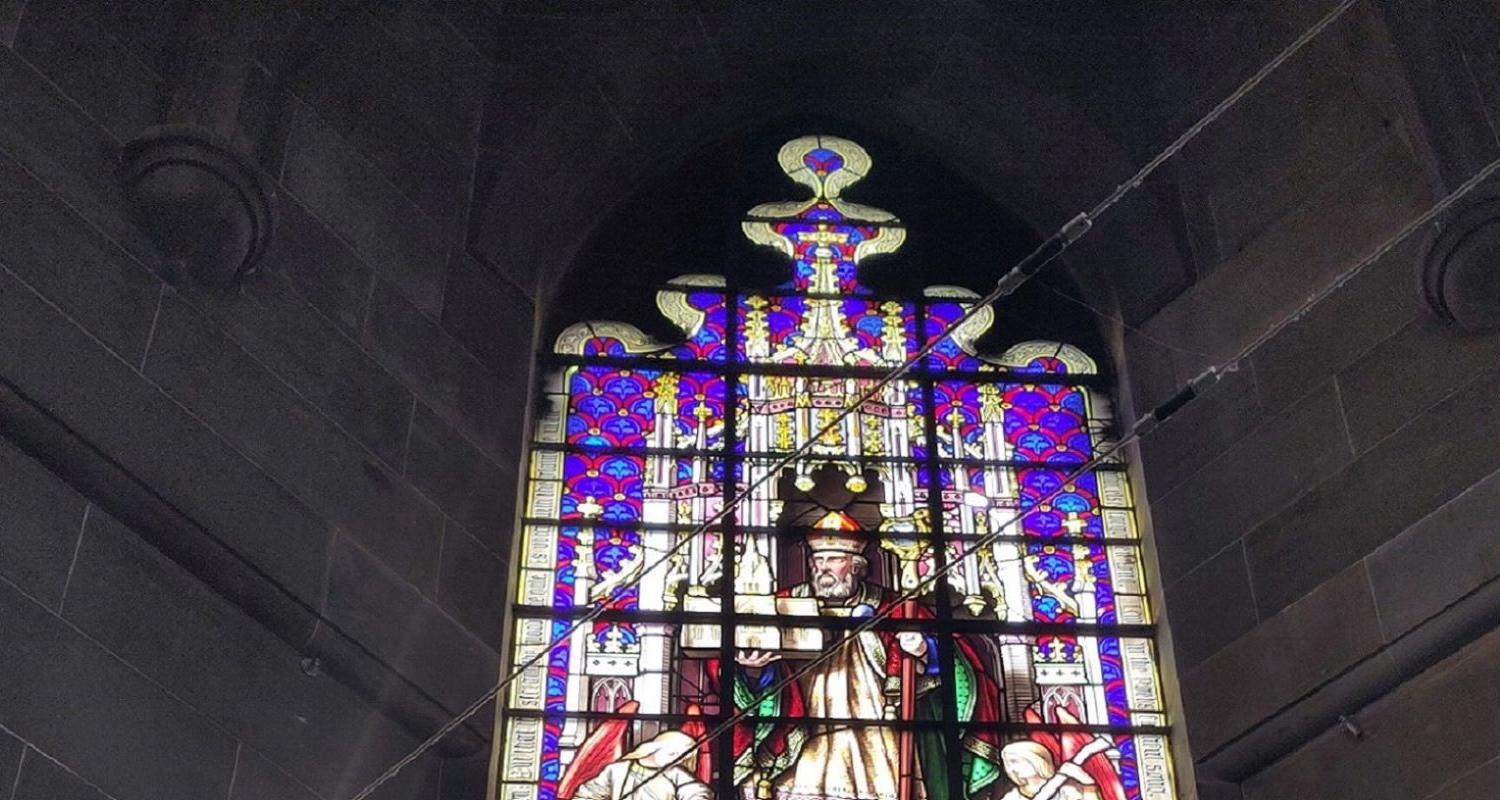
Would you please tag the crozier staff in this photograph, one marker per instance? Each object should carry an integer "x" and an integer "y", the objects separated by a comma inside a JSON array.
[{"x": 860, "y": 680}]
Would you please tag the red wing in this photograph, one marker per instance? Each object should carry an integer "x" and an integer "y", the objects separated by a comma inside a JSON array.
[
  {"x": 1098, "y": 766},
  {"x": 1106, "y": 777},
  {"x": 602, "y": 747},
  {"x": 1046, "y": 739}
]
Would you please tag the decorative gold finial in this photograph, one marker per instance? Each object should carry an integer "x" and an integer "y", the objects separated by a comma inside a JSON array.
[
  {"x": 826, "y": 164},
  {"x": 825, "y": 236}
]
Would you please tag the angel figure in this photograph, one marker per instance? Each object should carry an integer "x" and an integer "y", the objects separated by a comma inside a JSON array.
[
  {"x": 664, "y": 767},
  {"x": 1035, "y": 776},
  {"x": 649, "y": 772},
  {"x": 1065, "y": 766}
]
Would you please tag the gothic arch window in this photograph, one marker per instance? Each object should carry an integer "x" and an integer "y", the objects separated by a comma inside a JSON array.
[
  {"x": 1027, "y": 671},
  {"x": 610, "y": 693}
]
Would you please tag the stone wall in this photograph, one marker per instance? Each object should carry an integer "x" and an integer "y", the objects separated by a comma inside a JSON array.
[
  {"x": 252, "y": 543},
  {"x": 1325, "y": 520}
]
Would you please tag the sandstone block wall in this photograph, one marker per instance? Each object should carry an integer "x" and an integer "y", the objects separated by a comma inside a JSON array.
[
  {"x": 320, "y": 464},
  {"x": 1325, "y": 520}
]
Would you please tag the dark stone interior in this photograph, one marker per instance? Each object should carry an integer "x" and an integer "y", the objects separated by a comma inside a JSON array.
[{"x": 254, "y": 540}]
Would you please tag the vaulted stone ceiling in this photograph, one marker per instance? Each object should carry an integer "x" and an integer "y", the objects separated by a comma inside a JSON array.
[
  {"x": 340, "y": 434},
  {"x": 1044, "y": 115}
]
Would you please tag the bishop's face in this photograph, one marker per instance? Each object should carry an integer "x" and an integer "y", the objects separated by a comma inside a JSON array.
[{"x": 835, "y": 575}]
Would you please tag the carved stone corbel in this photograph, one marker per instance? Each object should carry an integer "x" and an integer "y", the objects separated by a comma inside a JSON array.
[
  {"x": 209, "y": 208},
  {"x": 1461, "y": 275},
  {"x": 190, "y": 183}
]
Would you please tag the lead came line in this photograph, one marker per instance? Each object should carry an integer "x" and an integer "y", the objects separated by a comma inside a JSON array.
[{"x": 1012, "y": 280}]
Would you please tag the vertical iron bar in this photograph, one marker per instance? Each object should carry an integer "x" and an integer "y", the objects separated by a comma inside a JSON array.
[
  {"x": 944, "y": 602},
  {"x": 724, "y": 748}
]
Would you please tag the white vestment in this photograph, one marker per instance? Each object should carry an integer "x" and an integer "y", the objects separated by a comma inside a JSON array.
[
  {"x": 840, "y": 762},
  {"x": 629, "y": 779},
  {"x": 1065, "y": 792}
]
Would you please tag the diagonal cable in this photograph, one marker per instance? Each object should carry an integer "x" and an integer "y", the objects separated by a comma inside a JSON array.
[
  {"x": 1141, "y": 429},
  {"x": 1012, "y": 280}
]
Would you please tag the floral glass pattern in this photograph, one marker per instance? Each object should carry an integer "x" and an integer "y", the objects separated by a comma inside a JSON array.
[{"x": 1028, "y": 671}]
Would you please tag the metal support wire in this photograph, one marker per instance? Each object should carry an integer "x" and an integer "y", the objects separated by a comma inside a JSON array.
[
  {"x": 1012, "y": 280},
  {"x": 870, "y": 622},
  {"x": 1143, "y": 427},
  {"x": 1223, "y": 105}
]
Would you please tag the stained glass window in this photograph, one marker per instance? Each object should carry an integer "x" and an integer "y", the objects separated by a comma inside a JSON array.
[{"x": 1027, "y": 671}]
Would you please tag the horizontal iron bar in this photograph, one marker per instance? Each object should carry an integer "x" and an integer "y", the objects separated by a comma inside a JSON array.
[
  {"x": 792, "y": 531},
  {"x": 849, "y": 222},
  {"x": 919, "y": 725},
  {"x": 772, "y": 455},
  {"x": 975, "y": 627},
  {"x": 919, "y": 372}
]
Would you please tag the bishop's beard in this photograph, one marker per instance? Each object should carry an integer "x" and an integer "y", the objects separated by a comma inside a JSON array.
[{"x": 828, "y": 586}]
